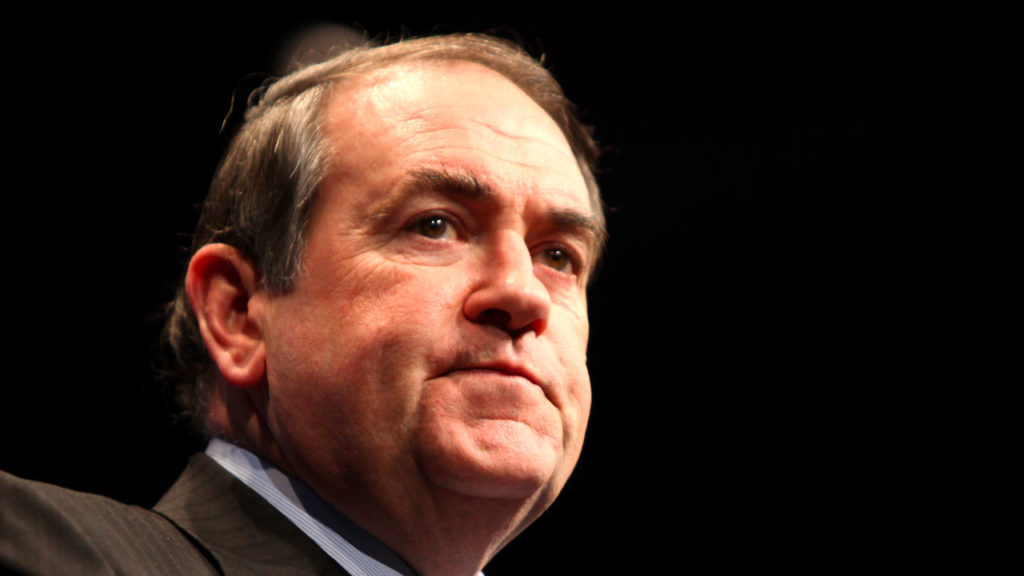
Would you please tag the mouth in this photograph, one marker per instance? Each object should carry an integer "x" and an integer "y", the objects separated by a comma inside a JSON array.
[
  {"x": 501, "y": 392},
  {"x": 500, "y": 368}
]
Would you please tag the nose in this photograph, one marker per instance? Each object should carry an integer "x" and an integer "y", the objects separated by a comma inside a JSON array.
[{"x": 508, "y": 294}]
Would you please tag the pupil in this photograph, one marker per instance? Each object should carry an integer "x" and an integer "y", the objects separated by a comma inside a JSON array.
[{"x": 434, "y": 225}]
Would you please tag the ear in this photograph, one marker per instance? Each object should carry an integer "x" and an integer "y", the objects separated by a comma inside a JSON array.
[{"x": 221, "y": 285}]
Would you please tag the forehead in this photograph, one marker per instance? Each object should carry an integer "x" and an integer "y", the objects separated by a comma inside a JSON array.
[{"x": 455, "y": 116}]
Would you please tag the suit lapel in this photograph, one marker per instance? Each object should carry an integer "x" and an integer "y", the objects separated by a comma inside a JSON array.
[{"x": 238, "y": 529}]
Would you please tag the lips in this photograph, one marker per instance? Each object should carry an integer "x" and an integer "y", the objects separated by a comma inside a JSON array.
[{"x": 498, "y": 367}]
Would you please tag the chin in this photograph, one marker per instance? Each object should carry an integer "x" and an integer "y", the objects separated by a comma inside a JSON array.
[
  {"x": 494, "y": 485},
  {"x": 506, "y": 461}
]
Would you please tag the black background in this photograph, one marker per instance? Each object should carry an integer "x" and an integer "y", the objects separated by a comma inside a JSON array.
[{"x": 728, "y": 345}]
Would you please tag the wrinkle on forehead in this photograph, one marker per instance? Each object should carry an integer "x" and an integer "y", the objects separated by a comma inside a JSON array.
[
  {"x": 515, "y": 128},
  {"x": 457, "y": 114}
]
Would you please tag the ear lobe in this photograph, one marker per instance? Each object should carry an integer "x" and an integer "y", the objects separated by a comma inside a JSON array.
[{"x": 221, "y": 285}]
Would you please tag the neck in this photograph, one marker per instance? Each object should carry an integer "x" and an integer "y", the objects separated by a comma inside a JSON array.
[
  {"x": 437, "y": 531},
  {"x": 452, "y": 535}
]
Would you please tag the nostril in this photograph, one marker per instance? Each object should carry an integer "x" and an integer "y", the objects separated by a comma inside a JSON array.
[
  {"x": 509, "y": 296},
  {"x": 505, "y": 321},
  {"x": 496, "y": 317}
]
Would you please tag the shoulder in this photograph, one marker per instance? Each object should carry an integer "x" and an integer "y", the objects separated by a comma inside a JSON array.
[{"x": 46, "y": 529}]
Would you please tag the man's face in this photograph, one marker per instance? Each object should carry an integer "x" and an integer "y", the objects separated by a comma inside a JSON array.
[{"x": 436, "y": 335}]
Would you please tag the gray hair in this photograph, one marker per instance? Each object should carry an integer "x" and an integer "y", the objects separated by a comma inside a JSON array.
[{"x": 261, "y": 197}]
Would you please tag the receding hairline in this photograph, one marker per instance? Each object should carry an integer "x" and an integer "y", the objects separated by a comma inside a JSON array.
[
  {"x": 528, "y": 77},
  {"x": 466, "y": 181},
  {"x": 504, "y": 57}
]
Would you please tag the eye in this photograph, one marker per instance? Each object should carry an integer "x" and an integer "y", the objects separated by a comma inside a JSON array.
[
  {"x": 435, "y": 227},
  {"x": 558, "y": 259}
]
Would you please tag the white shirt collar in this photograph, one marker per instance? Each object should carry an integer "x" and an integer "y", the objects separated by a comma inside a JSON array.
[{"x": 357, "y": 552}]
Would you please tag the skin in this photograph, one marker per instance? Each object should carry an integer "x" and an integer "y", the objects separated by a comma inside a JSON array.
[{"x": 427, "y": 375}]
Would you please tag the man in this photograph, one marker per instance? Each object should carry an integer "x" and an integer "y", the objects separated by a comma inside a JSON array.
[{"x": 382, "y": 329}]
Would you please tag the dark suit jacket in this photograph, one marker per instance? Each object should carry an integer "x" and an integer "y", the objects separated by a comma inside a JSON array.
[{"x": 208, "y": 523}]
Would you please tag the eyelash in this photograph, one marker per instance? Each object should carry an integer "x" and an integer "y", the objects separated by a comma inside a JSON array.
[
  {"x": 427, "y": 223},
  {"x": 572, "y": 261}
]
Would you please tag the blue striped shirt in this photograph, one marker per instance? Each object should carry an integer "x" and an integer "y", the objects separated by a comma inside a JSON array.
[{"x": 351, "y": 547}]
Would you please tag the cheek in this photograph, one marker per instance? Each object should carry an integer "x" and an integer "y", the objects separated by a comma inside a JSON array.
[
  {"x": 577, "y": 416},
  {"x": 382, "y": 292},
  {"x": 576, "y": 396},
  {"x": 360, "y": 339}
]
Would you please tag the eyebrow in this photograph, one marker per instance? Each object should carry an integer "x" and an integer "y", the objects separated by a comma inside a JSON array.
[
  {"x": 427, "y": 182},
  {"x": 467, "y": 186},
  {"x": 460, "y": 184}
]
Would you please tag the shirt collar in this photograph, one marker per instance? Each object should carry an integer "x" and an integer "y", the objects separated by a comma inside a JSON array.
[{"x": 349, "y": 545}]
